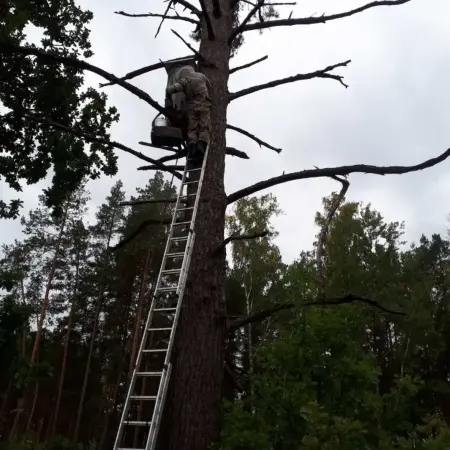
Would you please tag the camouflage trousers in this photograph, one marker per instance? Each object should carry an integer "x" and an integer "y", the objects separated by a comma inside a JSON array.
[{"x": 199, "y": 119}]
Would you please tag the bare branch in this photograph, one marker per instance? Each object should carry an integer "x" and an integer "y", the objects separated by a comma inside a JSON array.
[
  {"x": 235, "y": 69},
  {"x": 333, "y": 171},
  {"x": 305, "y": 76},
  {"x": 264, "y": 314},
  {"x": 90, "y": 138},
  {"x": 139, "y": 230},
  {"x": 73, "y": 62},
  {"x": 240, "y": 28},
  {"x": 209, "y": 27},
  {"x": 325, "y": 228},
  {"x": 240, "y": 237},
  {"x": 146, "y": 202},
  {"x": 252, "y": 136},
  {"x": 185, "y": 19},
  {"x": 350, "y": 298},
  {"x": 229, "y": 151},
  {"x": 169, "y": 149},
  {"x": 235, "y": 152},
  {"x": 314, "y": 20},
  {"x": 189, "y": 6},
  {"x": 173, "y": 167},
  {"x": 163, "y": 18},
  {"x": 141, "y": 71},
  {"x": 196, "y": 53}
]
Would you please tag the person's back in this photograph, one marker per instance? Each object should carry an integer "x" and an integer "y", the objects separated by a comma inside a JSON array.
[{"x": 194, "y": 84}]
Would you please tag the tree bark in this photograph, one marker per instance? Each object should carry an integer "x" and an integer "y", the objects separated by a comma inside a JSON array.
[{"x": 192, "y": 412}]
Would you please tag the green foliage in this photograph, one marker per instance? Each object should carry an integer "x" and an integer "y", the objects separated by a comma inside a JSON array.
[{"x": 31, "y": 149}]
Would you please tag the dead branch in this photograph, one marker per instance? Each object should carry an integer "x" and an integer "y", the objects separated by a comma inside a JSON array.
[
  {"x": 240, "y": 237},
  {"x": 153, "y": 167},
  {"x": 209, "y": 27},
  {"x": 98, "y": 140},
  {"x": 245, "y": 66},
  {"x": 325, "y": 228},
  {"x": 163, "y": 17},
  {"x": 168, "y": 149},
  {"x": 228, "y": 151},
  {"x": 252, "y": 136},
  {"x": 189, "y": 6},
  {"x": 186, "y": 19},
  {"x": 299, "y": 77},
  {"x": 264, "y": 314},
  {"x": 139, "y": 230},
  {"x": 83, "y": 65},
  {"x": 141, "y": 71},
  {"x": 235, "y": 152},
  {"x": 313, "y": 20},
  {"x": 146, "y": 202},
  {"x": 189, "y": 46},
  {"x": 333, "y": 171},
  {"x": 239, "y": 29}
]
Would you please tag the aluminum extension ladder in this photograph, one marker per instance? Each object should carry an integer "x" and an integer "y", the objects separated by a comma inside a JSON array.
[{"x": 144, "y": 404}]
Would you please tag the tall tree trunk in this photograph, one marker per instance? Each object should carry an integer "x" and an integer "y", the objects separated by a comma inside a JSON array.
[
  {"x": 200, "y": 338},
  {"x": 66, "y": 346},
  {"x": 137, "y": 326},
  {"x": 40, "y": 323},
  {"x": 94, "y": 333}
]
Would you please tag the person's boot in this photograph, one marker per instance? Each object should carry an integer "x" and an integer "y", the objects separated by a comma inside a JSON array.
[
  {"x": 201, "y": 147},
  {"x": 192, "y": 149}
]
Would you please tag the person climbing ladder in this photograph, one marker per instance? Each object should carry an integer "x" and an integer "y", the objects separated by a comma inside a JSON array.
[{"x": 195, "y": 103}]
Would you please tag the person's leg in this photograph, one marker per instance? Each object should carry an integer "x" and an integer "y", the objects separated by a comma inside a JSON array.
[
  {"x": 204, "y": 125},
  {"x": 192, "y": 132}
]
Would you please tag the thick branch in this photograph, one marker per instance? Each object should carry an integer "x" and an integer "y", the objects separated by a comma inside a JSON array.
[
  {"x": 90, "y": 138},
  {"x": 350, "y": 298},
  {"x": 228, "y": 151},
  {"x": 333, "y": 171},
  {"x": 141, "y": 71},
  {"x": 314, "y": 20},
  {"x": 186, "y": 19},
  {"x": 240, "y": 237},
  {"x": 239, "y": 29},
  {"x": 325, "y": 228},
  {"x": 252, "y": 136},
  {"x": 250, "y": 64},
  {"x": 189, "y": 6},
  {"x": 209, "y": 27},
  {"x": 146, "y": 202},
  {"x": 301, "y": 76},
  {"x": 73, "y": 62},
  {"x": 170, "y": 166}
]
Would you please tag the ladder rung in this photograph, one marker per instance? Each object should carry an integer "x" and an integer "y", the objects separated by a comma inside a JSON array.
[
  {"x": 160, "y": 329},
  {"x": 171, "y": 271},
  {"x": 137, "y": 423},
  {"x": 142, "y": 397},
  {"x": 149, "y": 374},
  {"x": 191, "y": 182},
  {"x": 175, "y": 255},
  {"x": 193, "y": 170},
  {"x": 185, "y": 209},
  {"x": 188, "y": 195},
  {"x": 182, "y": 223},
  {"x": 129, "y": 448},
  {"x": 164, "y": 309},
  {"x": 180, "y": 238},
  {"x": 167, "y": 289},
  {"x": 154, "y": 350}
]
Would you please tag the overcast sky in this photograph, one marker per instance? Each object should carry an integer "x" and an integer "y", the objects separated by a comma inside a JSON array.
[{"x": 395, "y": 111}]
